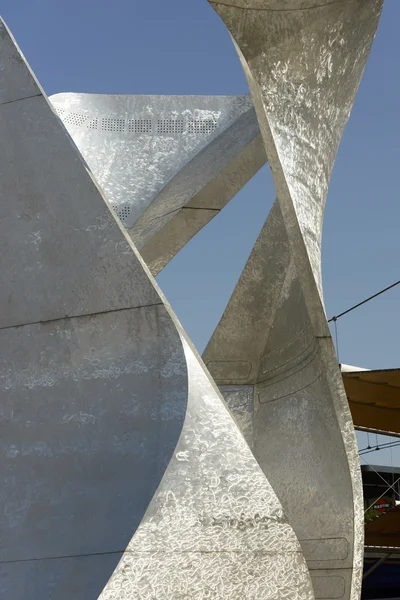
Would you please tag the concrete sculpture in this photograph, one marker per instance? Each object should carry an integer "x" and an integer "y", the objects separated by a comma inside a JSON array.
[
  {"x": 119, "y": 456},
  {"x": 167, "y": 164},
  {"x": 272, "y": 350}
]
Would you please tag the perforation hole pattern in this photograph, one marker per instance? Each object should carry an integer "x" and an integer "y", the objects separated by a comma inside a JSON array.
[
  {"x": 123, "y": 212},
  {"x": 202, "y": 125},
  {"x": 139, "y": 126},
  {"x": 75, "y": 119},
  {"x": 171, "y": 126},
  {"x": 113, "y": 124}
]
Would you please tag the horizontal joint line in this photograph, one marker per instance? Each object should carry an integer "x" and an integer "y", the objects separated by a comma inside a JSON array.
[
  {"x": 70, "y": 317},
  {"x": 20, "y": 99}
]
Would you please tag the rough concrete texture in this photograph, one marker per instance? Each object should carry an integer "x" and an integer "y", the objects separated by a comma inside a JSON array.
[
  {"x": 303, "y": 60},
  {"x": 115, "y": 441},
  {"x": 167, "y": 164}
]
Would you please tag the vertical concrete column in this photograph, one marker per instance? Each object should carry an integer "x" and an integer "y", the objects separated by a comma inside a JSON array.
[{"x": 272, "y": 350}]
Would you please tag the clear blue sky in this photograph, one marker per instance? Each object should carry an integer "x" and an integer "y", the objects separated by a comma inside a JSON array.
[{"x": 181, "y": 47}]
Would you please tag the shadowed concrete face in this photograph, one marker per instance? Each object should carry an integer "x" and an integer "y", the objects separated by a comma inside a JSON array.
[
  {"x": 115, "y": 442},
  {"x": 272, "y": 353},
  {"x": 92, "y": 404},
  {"x": 167, "y": 164}
]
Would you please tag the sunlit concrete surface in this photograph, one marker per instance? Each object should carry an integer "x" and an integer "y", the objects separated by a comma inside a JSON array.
[
  {"x": 167, "y": 164},
  {"x": 123, "y": 473},
  {"x": 272, "y": 352}
]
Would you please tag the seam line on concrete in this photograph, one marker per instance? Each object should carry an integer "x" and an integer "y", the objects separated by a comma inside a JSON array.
[
  {"x": 152, "y": 219},
  {"x": 275, "y": 9},
  {"x": 112, "y": 552},
  {"x": 201, "y": 208},
  {"x": 101, "y": 312},
  {"x": 176, "y": 210},
  {"x": 19, "y": 99}
]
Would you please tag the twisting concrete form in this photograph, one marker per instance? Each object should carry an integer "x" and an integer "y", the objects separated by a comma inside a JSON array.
[
  {"x": 115, "y": 442},
  {"x": 272, "y": 349},
  {"x": 167, "y": 164}
]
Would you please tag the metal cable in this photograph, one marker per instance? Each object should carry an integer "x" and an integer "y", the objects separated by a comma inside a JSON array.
[
  {"x": 384, "y": 493},
  {"x": 382, "y": 446},
  {"x": 337, "y": 341},
  {"x": 335, "y": 318},
  {"x": 362, "y": 453}
]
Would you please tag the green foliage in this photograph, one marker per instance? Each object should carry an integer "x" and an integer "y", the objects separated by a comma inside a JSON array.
[{"x": 371, "y": 515}]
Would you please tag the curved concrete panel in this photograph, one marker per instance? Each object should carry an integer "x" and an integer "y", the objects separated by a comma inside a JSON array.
[
  {"x": 167, "y": 164},
  {"x": 100, "y": 391},
  {"x": 272, "y": 348},
  {"x": 215, "y": 528}
]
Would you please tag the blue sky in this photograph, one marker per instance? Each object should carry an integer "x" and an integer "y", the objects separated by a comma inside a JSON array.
[{"x": 181, "y": 47}]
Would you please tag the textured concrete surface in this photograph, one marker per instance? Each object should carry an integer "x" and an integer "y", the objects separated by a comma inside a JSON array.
[
  {"x": 215, "y": 528},
  {"x": 92, "y": 405},
  {"x": 303, "y": 61},
  {"x": 115, "y": 442},
  {"x": 57, "y": 244},
  {"x": 167, "y": 164}
]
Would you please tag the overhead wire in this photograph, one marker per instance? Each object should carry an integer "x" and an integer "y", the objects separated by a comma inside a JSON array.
[
  {"x": 384, "y": 493},
  {"x": 382, "y": 446},
  {"x": 337, "y": 342},
  {"x": 394, "y": 445},
  {"x": 389, "y": 486},
  {"x": 336, "y": 317}
]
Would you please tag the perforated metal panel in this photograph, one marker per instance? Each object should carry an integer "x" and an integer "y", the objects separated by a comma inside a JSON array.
[
  {"x": 170, "y": 126},
  {"x": 202, "y": 126},
  {"x": 140, "y": 126},
  {"x": 135, "y": 145},
  {"x": 108, "y": 124},
  {"x": 75, "y": 119},
  {"x": 123, "y": 211}
]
